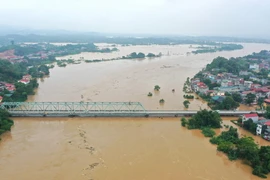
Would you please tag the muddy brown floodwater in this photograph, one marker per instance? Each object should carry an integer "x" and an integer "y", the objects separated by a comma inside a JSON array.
[
  {"x": 126, "y": 148},
  {"x": 112, "y": 149}
]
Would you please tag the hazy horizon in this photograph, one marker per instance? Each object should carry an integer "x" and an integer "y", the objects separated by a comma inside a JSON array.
[{"x": 239, "y": 18}]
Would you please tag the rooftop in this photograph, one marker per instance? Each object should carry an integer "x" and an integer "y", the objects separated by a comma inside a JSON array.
[{"x": 250, "y": 115}]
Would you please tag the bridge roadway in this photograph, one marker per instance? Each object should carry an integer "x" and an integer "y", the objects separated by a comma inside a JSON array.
[
  {"x": 149, "y": 113},
  {"x": 97, "y": 109}
]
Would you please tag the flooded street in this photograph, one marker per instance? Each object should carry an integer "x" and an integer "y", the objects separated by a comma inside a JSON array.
[
  {"x": 120, "y": 148},
  {"x": 112, "y": 149}
]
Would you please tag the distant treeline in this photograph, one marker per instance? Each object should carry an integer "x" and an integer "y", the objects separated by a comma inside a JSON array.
[
  {"x": 68, "y": 49},
  {"x": 96, "y": 38}
]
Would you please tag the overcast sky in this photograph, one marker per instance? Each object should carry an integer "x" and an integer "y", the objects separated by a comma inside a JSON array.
[{"x": 181, "y": 17}]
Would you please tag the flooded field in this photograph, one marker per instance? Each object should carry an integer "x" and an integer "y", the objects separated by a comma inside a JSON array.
[
  {"x": 112, "y": 149},
  {"x": 126, "y": 148}
]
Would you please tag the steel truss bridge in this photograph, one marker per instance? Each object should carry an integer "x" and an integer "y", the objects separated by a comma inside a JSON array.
[{"x": 96, "y": 109}]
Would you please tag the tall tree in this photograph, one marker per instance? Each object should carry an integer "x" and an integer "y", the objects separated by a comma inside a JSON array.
[{"x": 250, "y": 98}]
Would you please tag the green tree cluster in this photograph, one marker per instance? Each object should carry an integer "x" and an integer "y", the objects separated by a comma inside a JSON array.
[
  {"x": 5, "y": 122},
  {"x": 231, "y": 66},
  {"x": 11, "y": 72},
  {"x": 250, "y": 126},
  {"x": 157, "y": 88},
  {"x": 227, "y": 104},
  {"x": 134, "y": 55},
  {"x": 203, "y": 119},
  {"x": 244, "y": 148},
  {"x": 208, "y": 132},
  {"x": 186, "y": 103},
  {"x": 220, "y": 47},
  {"x": 250, "y": 98},
  {"x": 22, "y": 90},
  {"x": 188, "y": 96}
]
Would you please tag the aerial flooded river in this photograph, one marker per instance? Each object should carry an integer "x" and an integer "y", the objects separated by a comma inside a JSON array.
[{"x": 120, "y": 148}]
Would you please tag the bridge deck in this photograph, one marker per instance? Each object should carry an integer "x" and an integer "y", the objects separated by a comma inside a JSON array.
[{"x": 97, "y": 109}]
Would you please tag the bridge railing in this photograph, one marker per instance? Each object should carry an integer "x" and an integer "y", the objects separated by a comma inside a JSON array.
[
  {"x": 98, "y": 108},
  {"x": 72, "y": 107}
]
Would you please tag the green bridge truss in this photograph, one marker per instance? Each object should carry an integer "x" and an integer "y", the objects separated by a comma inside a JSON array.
[{"x": 71, "y": 107}]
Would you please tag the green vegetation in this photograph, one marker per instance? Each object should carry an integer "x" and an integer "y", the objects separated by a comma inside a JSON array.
[
  {"x": 188, "y": 96},
  {"x": 161, "y": 101},
  {"x": 246, "y": 149},
  {"x": 226, "y": 142},
  {"x": 267, "y": 112},
  {"x": 186, "y": 103},
  {"x": 95, "y": 60},
  {"x": 151, "y": 55},
  {"x": 134, "y": 55},
  {"x": 203, "y": 119},
  {"x": 233, "y": 65},
  {"x": 184, "y": 122},
  {"x": 150, "y": 94},
  {"x": 11, "y": 72},
  {"x": 250, "y": 126},
  {"x": 218, "y": 47},
  {"x": 68, "y": 49},
  {"x": 210, "y": 84},
  {"x": 224, "y": 103},
  {"x": 39, "y": 71},
  {"x": 5, "y": 122},
  {"x": 208, "y": 132},
  {"x": 157, "y": 88},
  {"x": 227, "y": 104},
  {"x": 140, "y": 55},
  {"x": 61, "y": 64},
  {"x": 186, "y": 87},
  {"x": 250, "y": 98},
  {"x": 237, "y": 97},
  {"x": 21, "y": 93}
]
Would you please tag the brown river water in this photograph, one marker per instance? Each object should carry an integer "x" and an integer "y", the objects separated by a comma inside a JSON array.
[{"x": 120, "y": 148}]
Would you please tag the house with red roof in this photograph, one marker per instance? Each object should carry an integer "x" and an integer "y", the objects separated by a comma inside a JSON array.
[
  {"x": 200, "y": 87},
  {"x": 10, "y": 87},
  {"x": 267, "y": 101},
  {"x": 254, "y": 117},
  {"x": 25, "y": 79}
]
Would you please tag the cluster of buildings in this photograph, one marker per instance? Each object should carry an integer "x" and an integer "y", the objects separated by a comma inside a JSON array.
[
  {"x": 41, "y": 55},
  {"x": 232, "y": 83},
  {"x": 11, "y": 57},
  {"x": 8, "y": 86},
  {"x": 11, "y": 87},
  {"x": 263, "y": 125}
]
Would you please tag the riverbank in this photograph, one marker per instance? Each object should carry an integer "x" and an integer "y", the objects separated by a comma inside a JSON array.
[{"x": 229, "y": 141}]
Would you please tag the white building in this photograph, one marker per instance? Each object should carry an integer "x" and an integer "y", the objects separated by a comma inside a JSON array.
[
  {"x": 248, "y": 84},
  {"x": 254, "y": 67},
  {"x": 262, "y": 126}
]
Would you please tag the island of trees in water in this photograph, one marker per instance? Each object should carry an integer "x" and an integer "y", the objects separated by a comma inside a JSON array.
[
  {"x": 217, "y": 47},
  {"x": 230, "y": 143}
]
